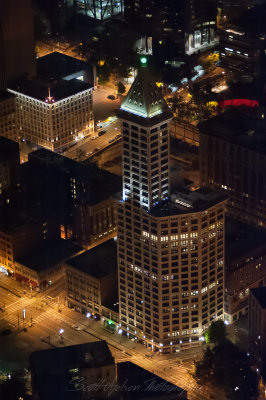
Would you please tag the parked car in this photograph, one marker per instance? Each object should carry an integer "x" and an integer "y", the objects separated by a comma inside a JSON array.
[
  {"x": 111, "y": 97},
  {"x": 93, "y": 137},
  {"x": 101, "y": 133}
]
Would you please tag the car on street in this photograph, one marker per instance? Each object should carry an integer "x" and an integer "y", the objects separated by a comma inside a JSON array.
[
  {"x": 101, "y": 133},
  {"x": 111, "y": 97},
  {"x": 93, "y": 137},
  {"x": 78, "y": 328}
]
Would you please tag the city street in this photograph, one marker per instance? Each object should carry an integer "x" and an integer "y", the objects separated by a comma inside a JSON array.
[
  {"x": 95, "y": 143},
  {"x": 43, "y": 322}
]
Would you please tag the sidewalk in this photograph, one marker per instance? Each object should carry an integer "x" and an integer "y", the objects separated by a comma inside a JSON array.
[{"x": 125, "y": 344}]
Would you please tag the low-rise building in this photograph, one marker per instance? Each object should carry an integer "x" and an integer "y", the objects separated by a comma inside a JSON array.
[
  {"x": 257, "y": 326},
  {"x": 91, "y": 280},
  {"x": 61, "y": 373},
  {"x": 53, "y": 114},
  {"x": 20, "y": 235},
  {"x": 245, "y": 266},
  {"x": 43, "y": 266},
  {"x": 61, "y": 66}
]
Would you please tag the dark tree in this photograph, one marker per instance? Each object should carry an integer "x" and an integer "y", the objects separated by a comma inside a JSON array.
[
  {"x": 14, "y": 388},
  {"x": 228, "y": 368},
  {"x": 216, "y": 332},
  {"x": 103, "y": 73},
  {"x": 121, "y": 88}
]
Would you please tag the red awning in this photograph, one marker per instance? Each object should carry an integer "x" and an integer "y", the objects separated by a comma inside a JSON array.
[
  {"x": 33, "y": 283},
  {"x": 17, "y": 276}
]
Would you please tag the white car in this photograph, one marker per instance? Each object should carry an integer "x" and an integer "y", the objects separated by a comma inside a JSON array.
[
  {"x": 93, "y": 137},
  {"x": 78, "y": 328}
]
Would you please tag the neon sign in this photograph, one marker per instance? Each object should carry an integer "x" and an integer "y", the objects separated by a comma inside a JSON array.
[{"x": 238, "y": 103}]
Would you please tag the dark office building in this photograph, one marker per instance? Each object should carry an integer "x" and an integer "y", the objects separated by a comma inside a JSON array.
[
  {"x": 177, "y": 28},
  {"x": 16, "y": 41},
  {"x": 243, "y": 45},
  {"x": 233, "y": 160},
  {"x": 9, "y": 164},
  {"x": 84, "y": 197},
  {"x": 257, "y": 327},
  {"x": 54, "y": 372},
  {"x": 99, "y": 9},
  {"x": 245, "y": 265}
]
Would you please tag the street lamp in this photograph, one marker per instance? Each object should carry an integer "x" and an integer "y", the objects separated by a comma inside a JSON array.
[
  {"x": 61, "y": 338},
  {"x": 120, "y": 333}
]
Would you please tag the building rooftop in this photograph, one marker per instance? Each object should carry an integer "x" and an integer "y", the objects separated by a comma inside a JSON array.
[
  {"x": 60, "y": 66},
  {"x": 8, "y": 147},
  {"x": 147, "y": 385},
  {"x": 250, "y": 21},
  {"x": 241, "y": 239},
  {"x": 51, "y": 367},
  {"x": 260, "y": 295},
  {"x": 38, "y": 88},
  {"x": 238, "y": 128},
  {"x": 99, "y": 185},
  {"x": 144, "y": 101},
  {"x": 49, "y": 254},
  {"x": 185, "y": 201},
  {"x": 99, "y": 261}
]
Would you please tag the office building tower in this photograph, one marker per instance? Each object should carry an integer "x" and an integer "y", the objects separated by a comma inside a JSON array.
[
  {"x": 100, "y": 9},
  {"x": 232, "y": 160},
  {"x": 170, "y": 246},
  {"x": 242, "y": 45},
  {"x": 245, "y": 266},
  {"x": 84, "y": 197},
  {"x": 17, "y": 53},
  {"x": 176, "y": 27}
]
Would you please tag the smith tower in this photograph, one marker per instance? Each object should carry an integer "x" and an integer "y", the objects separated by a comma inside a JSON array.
[
  {"x": 161, "y": 235},
  {"x": 145, "y": 117}
]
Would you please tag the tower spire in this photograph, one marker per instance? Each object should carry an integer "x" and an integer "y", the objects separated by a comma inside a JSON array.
[{"x": 145, "y": 131}]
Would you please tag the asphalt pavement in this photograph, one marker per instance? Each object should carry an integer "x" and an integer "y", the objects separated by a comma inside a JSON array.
[{"x": 46, "y": 315}]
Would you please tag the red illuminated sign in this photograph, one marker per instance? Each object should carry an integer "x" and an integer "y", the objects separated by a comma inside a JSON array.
[{"x": 238, "y": 103}]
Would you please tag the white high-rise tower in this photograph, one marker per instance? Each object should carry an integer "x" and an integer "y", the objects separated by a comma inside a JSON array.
[{"x": 170, "y": 247}]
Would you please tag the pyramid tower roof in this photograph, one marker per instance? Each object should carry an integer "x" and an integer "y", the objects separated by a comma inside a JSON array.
[{"x": 144, "y": 98}]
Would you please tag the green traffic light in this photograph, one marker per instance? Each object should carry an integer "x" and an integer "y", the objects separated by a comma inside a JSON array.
[{"x": 143, "y": 60}]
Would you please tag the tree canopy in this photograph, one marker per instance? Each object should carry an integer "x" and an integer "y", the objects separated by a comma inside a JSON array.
[
  {"x": 121, "y": 88},
  {"x": 228, "y": 368},
  {"x": 216, "y": 332}
]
